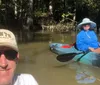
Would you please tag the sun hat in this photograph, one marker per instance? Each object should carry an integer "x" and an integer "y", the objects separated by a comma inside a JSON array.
[
  {"x": 7, "y": 38},
  {"x": 87, "y": 21}
]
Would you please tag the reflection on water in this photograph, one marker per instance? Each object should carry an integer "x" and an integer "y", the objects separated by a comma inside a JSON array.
[
  {"x": 37, "y": 59},
  {"x": 55, "y": 37},
  {"x": 82, "y": 76}
]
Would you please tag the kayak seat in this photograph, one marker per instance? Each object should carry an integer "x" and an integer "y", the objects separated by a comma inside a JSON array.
[{"x": 75, "y": 46}]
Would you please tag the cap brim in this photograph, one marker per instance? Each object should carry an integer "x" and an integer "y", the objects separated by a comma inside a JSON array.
[{"x": 9, "y": 45}]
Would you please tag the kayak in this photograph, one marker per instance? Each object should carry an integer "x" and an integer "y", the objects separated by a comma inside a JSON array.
[
  {"x": 59, "y": 48},
  {"x": 90, "y": 58}
]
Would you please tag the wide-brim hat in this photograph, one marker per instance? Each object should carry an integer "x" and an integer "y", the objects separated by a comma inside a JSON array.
[{"x": 87, "y": 21}]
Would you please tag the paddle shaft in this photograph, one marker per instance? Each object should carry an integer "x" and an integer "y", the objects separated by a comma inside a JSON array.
[{"x": 82, "y": 56}]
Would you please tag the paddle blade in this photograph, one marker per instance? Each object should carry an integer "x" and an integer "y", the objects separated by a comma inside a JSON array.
[{"x": 66, "y": 57}]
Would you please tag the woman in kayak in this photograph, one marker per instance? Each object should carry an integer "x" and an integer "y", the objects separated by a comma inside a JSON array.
[{"x": 86, "y": 39}]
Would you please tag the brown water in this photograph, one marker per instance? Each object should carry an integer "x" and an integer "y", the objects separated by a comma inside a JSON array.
[{"x": 38, "y": 60}]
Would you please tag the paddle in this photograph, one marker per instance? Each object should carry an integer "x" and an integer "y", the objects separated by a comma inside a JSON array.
[{"x": 69, "y": 56}]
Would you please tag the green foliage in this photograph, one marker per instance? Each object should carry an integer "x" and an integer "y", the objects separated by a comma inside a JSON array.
[
  {"x": 39, "y": 14},
  {"x": 64, "y": 15},
  {"x": 92, "y": 6}
]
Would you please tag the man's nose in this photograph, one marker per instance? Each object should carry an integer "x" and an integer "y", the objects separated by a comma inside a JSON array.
[{"x": 3, "y": 61}]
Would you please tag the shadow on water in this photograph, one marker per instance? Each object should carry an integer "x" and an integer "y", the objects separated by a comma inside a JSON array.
[{"x": 38, "y": 60}]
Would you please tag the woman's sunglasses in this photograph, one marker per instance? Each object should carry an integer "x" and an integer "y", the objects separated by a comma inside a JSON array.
[{"x": 9, "y": 54}]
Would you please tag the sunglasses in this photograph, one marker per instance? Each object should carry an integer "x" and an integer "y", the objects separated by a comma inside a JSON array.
[{"x": 9, "y": 54}]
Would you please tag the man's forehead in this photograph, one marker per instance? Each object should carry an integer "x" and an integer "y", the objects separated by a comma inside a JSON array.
[{"x": 4, "y": 47}]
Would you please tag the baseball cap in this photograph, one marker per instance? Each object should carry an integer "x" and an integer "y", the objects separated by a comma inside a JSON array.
[{"x": 7, "y": 38}]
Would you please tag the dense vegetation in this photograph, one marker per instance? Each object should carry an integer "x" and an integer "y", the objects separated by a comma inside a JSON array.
[
  {"x": 28, "y": 16},
  {"x": 15, "y": 12}
]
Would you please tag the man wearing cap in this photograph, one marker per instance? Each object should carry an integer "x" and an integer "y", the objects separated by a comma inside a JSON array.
[
  {"x": 86, "y": 39},
  {"x": 9, "y": 56}
]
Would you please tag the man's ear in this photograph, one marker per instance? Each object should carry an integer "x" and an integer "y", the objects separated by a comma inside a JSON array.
[{"x": 17, "y": 56}]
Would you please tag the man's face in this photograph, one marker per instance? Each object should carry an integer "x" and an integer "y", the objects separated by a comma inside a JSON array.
[{"x": 7, "y": 65}]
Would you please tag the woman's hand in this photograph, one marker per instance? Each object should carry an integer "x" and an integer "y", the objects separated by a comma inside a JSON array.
[
  {"x": 94, "y": 50},
  {"x": 91, "y": 49}
]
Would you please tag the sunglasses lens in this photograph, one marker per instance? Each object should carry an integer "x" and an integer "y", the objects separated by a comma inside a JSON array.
[{"x": 10, "y": 54}]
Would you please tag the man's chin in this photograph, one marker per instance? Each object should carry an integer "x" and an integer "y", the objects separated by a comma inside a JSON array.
[{"x": 5, "y": 80}]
